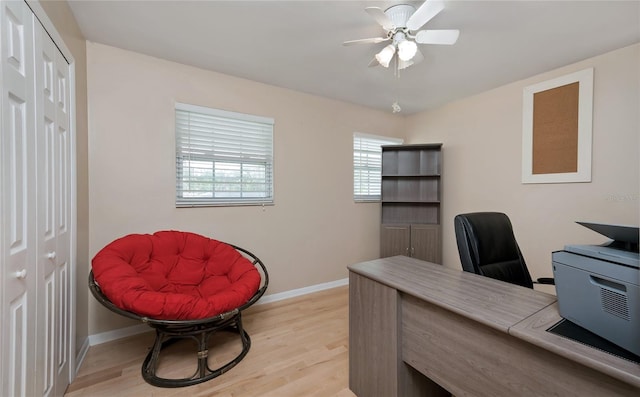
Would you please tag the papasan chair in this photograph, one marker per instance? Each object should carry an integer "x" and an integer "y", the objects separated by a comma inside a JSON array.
[{"x": 185, "y": 286}]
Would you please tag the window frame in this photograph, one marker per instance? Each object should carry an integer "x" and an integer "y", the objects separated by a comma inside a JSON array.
[
  {"x": 244, "y": 152},
  {"x": 370, "y": 166}
]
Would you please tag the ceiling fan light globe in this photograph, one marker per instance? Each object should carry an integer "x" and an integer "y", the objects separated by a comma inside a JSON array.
[
  {"x": 385, "y": 55},
  {"x": 407, "y": 50},
  {"x": 404, "y": 64}
]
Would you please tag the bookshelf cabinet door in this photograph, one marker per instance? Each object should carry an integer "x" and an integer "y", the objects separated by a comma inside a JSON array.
[
  {"x": 425, "y": 243},
  {"x": 395, "y": 240}
]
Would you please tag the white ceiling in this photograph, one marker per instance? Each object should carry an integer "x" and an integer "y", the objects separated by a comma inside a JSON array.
[{"x": 298, "y": 44}]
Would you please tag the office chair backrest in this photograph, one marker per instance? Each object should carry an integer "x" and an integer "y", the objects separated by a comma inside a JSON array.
[{"x": 488, "y": 247}]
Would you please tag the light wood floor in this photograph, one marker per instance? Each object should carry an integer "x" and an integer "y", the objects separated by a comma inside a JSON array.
[{"x": 299, "y": 347}]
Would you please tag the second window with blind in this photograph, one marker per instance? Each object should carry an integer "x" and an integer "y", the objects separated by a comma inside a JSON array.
[
  {"x": 222, "y": 158},
  {"x": 367, "y": 165}
]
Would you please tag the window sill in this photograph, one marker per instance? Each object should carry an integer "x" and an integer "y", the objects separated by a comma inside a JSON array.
[{"x": 239, "y": 204}]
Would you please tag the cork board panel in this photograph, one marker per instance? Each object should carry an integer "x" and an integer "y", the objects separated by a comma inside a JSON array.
[{"x": 555, "y": 130}]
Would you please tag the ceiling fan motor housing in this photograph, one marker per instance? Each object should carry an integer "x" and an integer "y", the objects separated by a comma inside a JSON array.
[{"x": 400, "y": 14}]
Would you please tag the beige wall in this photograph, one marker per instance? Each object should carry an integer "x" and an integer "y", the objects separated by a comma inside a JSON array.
[
  {"x": 308, "y": 237},
  {"x": 62, "y": 18},
  {"x": 482, "y": 138},
  {"x": 315, "y": 229}
]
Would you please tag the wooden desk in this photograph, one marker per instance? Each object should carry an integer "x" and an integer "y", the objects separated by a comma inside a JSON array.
[{"x": 417, "y": 328}]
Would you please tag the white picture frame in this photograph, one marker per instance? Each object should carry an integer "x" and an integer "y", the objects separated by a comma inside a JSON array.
[{"x": 584, "y": 78}]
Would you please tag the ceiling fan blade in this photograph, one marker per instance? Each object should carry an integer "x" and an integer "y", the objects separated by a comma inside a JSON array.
[
  {"x": 444, "y": 36},
  {"x": 380, "y": 17},
  {"x": 428, "y": 10},
  {"x": 373, "y": 40}
]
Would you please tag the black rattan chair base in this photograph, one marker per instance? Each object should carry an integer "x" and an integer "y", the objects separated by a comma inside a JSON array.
[{"x": 167, "y": 334}]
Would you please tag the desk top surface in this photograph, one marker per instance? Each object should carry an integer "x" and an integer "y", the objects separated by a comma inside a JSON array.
[
  {"x": 521, "y": 312},
  {"x": 491, "y": 302}
]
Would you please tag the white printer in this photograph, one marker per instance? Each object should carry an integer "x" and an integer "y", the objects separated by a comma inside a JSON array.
[{"x": 598, "y": 286}]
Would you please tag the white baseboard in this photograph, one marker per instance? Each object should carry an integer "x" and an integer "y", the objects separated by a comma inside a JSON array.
[
  {"x": 120, "y": 333},
  {"x": 302, "y": 291},
  {"x": 109, "y": 336},
  {"x": 81, "y": 355}
]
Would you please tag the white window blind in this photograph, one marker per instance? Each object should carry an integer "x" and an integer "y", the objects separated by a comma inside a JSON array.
[
  {"x": 367, "y": 165},
  {"x": 222, "y": 158}
]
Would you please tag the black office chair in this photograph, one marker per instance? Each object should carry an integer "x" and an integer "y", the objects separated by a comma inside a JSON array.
[{"x": 488, "y": 247}]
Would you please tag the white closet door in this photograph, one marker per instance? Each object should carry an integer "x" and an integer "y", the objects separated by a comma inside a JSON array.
[
  {"x": 54, "y": 209},
  {"x": 18, "y": 201},
  {"x": 35, "y": 208},
  {"x": 63, "y": 219}
]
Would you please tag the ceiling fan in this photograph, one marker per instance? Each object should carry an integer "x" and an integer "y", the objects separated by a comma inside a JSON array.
[{"x": 401, "y": 23}]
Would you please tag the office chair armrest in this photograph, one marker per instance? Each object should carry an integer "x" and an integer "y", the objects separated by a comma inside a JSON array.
[{"x": 545, "y": 280}]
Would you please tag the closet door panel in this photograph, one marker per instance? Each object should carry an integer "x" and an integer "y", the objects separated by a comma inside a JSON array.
[
  {"x": 53, "y": 164},
  {"x": 46, "y": 133},
  {"x": 18, "y": 200},
  {"x": 63, "y": 164}
]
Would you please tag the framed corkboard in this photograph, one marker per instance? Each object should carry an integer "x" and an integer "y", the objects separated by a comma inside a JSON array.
[{"x": 557, "y": 129}]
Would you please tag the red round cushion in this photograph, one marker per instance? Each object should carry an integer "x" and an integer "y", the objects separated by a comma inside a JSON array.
[{"x": 173, "y": 275}]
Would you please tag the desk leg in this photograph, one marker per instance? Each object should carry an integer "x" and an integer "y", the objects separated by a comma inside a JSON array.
[{"x": 375, "y": 362}]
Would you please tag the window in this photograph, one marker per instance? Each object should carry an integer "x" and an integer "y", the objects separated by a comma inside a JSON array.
[
  {"x": 222, "y": 158},
  {"x": 367, "y": 165}
]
